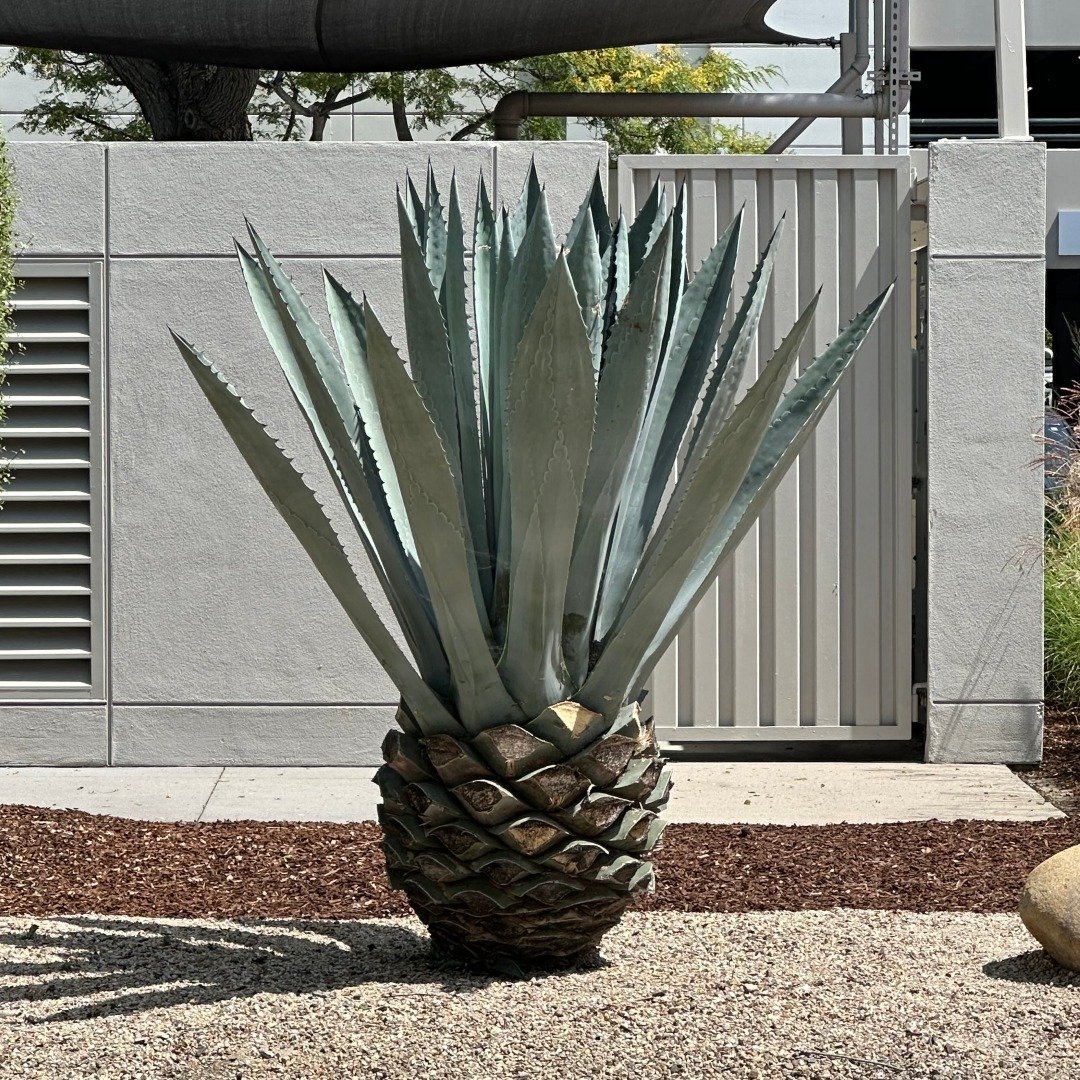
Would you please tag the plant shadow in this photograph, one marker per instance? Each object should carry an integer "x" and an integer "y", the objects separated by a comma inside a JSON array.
[
  {"x": 1034, "y": 967},
  {"x": 94, "y": 966}
]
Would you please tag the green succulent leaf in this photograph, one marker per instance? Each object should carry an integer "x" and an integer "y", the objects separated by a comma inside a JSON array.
[
  {"x": 792, "y": 425},
  {"x": 633, "y": 352},
  {"x": 727, "y": 375},
  {"x": 700, "y": 498},
  {"x": 587, "y": 270},
  {"x": 646, "y": 228},
  {"x": 528, "y": 273},
  {"x": 550, "y": 414},
  {"x": 436, "y": 240},
  {"x": 678, "y": 390},
  {"x": 455, "y": 314},
  {"x": 297, "y": 504},
  {"x": 425, "y": 333},
  {"x": 321, "y": 389},
  {"x": 433, "y": 504},
  {"x": 519, "y": 221}
]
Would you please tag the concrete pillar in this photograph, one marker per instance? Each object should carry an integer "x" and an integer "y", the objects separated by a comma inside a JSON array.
[{"x": 986, "y": 284}]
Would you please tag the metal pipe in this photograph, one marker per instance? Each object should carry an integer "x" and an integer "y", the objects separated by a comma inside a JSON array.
[
  {"x": 512, "y": 110},
  {"x": 849, "y": 78}
]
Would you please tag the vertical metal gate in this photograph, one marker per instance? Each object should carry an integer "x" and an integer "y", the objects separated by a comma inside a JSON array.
[{"x": 807, "y": 632}]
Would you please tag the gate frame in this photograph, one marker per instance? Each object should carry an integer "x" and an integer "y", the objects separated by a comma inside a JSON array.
[{"x": 710, "y": 738}]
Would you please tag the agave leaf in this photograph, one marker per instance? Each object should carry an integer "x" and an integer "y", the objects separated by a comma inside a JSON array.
[
  {"x": 485, "y": 272},
  {"x": 347, "y": 319},
  {"x": 455, "y": 314},
  {"x": 436, "y": 240},
  {"x": 495, "y": 401},
  {"x": 731, "y": 364},
  {"x": 792, "y": 425},
  {"x": 321, "y": 389},
  {"x": 616, "y": 276},
  {"x": 678, "y": 387},
  {"x": 646, "y": 227},
  {"x": 550, "y": 414},
  {"x": 587, "y": 270},
  {"x": 297, "y": 504},
  {"x": 593, "y": 211},
  {"x": 699, "y": 500},
  {"x": 415, "y": 210},
  {"x": 526, "y": 207},
  {"x": 529, "y": 271},
  {"x": 433, "y": 504},
  {"x": 429, "y": 348},
  {"x": 678, "y": 262},
  {"x": 632, "y": 354},
  {"x": 528, "y": 274}
]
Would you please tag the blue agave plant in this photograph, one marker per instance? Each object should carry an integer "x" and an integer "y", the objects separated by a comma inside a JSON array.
[{"x": 544, "y": 495}]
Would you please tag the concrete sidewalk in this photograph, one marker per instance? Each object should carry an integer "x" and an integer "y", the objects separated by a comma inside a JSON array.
[{"x": 783, "y": 793}]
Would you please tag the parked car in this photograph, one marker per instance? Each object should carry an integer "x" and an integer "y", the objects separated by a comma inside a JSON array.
[{"x": 1060, "y": 448}]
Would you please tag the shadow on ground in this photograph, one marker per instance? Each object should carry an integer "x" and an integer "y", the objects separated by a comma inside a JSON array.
[
  {"x": 1034, "y": 967},
  {"x": 128, "y": 966}
]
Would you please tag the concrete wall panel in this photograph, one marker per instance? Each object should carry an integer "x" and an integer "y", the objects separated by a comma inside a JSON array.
[
  {"x": 250, "y": 735},
  {"x": 988, "y": 198},
  {"x": 61, "y": 189},
  {"x": 321, "y": 199},
  {"x": 986, "y": 283},
  {"x": 213, "y": 598},
  {"x": 986, "y": 517},
  {"x": 985, "y": 733},
  {"x": 51, "y": 734}
]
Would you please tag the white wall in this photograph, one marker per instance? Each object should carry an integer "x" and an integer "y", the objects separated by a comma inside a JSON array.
[
  {"x": 222, "y": 643},
  {"x": 969, "y": 24}
]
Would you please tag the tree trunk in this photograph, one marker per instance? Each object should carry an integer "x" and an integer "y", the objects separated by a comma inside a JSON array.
[
  {"x": 189, "y": 102},
  {"x": 401, "y": 120}
]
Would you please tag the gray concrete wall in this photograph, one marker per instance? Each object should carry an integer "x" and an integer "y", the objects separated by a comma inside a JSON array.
[
  {"x": 1062, "y": 193},
  {"x": 224, "y": 645},
  {"x": 986, "y": 285}
]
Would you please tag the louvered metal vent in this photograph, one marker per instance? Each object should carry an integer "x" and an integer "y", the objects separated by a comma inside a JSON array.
[{"x": 49, "y": 573}]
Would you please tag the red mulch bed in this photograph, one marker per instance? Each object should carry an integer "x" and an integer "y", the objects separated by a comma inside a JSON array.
[
  {"x": 66, "y": 862},
  {"x": 1058, "y": 777}
]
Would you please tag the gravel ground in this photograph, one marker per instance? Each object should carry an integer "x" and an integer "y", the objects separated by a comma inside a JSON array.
[{"x": 759, "y": 995}]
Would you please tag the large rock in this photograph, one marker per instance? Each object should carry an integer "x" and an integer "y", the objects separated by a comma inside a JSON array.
[{"x": 1050, "y": 906}]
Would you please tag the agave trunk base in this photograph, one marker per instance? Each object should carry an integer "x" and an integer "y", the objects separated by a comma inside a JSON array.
[
  {"x": 530, "y": 935},
  {"x": 515, "y": 847}
]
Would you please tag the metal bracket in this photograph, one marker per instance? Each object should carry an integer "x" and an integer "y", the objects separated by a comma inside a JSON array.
[{"x": 898, "y": 69}]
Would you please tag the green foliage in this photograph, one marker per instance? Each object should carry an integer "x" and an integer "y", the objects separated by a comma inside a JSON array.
[
  {"x": 630, "y": 70},
  {"x": 84, "y": 99},
  {"x": 8, "y": 202},
  {"x": 493, "y": 539},
  {"x": 1061, "y": 592}
]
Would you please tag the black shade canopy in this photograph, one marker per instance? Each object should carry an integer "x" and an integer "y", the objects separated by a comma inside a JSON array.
[{"x": 373, "y": 35}]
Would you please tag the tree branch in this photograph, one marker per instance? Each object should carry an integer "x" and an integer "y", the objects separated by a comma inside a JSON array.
[
  {"x": 344, "y": 103},
  {"x": 470, "y": 128}
]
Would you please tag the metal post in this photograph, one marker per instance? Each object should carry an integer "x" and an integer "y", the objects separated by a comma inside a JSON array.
[
  {"x": 1011, "y": 70},
  {"x": 851, "y": 129},
  {"x": 854, "y": 60}
]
